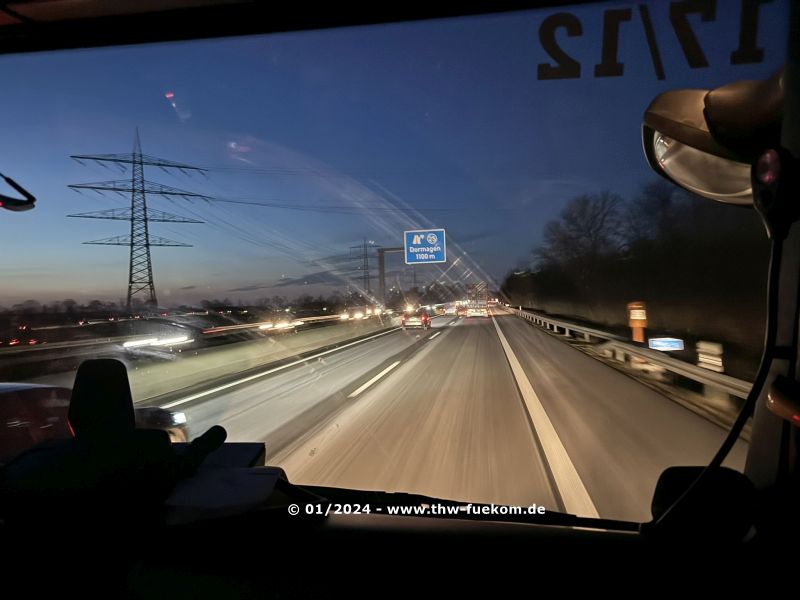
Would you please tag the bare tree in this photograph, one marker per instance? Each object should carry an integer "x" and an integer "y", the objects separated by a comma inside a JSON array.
[
  {"x": 29, "y": 307},
  {"x": 650, "y": 213},
  {"x": 69, "y": 305},
  {"x": 589, "y": 227}
]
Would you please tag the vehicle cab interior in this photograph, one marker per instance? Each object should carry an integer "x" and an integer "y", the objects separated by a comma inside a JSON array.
[{"x": 206, "y": 454}]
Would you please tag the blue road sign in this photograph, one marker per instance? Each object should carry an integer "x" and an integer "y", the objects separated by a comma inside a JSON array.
[
  {"x": 665, "y": 344},
  {"x": 425, "y": 246}
]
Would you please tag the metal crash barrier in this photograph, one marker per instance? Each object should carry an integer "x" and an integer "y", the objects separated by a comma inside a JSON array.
[{"x": 615, "y": 346}]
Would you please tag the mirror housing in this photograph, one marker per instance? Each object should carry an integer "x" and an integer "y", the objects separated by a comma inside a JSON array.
[
  {"x": 27, "y": 201},
  {"x": 706, "y": 141}
]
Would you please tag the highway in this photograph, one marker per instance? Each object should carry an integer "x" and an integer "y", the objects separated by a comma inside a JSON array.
[{"x": 479, "y": 410}]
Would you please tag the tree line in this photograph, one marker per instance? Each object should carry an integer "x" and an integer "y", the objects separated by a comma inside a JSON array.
[
  {"x": 699, "y": 265},
  {"x": 429, "y": 294}
]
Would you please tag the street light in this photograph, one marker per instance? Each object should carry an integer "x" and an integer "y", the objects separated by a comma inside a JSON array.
[{"x": 707, "y": 141}]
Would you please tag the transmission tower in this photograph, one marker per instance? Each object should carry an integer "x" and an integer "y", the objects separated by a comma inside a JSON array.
[
  {"x": 362, "y": 252},
  {"x": 365, "y": 267},
  {"x": 140, "y": 273}
]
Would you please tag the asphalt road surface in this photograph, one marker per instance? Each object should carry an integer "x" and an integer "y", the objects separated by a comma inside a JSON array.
[{"x": 477, "y": 410}]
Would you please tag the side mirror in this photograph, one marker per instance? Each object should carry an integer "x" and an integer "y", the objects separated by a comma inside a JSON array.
[
  {"x": 783, "y": 399},
  {"x": 16, "y": 204},
  {"x": 707, "y": 141},
  {"x": 719, "y": 508}
]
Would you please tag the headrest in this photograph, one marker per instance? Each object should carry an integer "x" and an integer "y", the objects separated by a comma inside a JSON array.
[{"x": 101, "y": 405}]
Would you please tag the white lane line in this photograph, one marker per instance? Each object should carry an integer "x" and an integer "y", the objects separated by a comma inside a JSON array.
[
  {"x": 435, "y": 334},
  {"x": 454, "y": 323},
  {"x": 374, "y": 379},
  {"x": 270, "y": 371},
  {"x": 574, "y": 494}
]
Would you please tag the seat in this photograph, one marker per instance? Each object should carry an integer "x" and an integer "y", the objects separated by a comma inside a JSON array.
[{"x": 101, "y": 408}]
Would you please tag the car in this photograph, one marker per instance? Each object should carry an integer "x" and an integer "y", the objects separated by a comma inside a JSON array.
[
  {"x": 419, "y": 318},
  {"x": 32, "y": 413},
  {"x": 474, "y": 311},
  {"x": 461, "y": 311},
  {"x": 357, "y": 313},
  {"x": 450, "y": 311}
]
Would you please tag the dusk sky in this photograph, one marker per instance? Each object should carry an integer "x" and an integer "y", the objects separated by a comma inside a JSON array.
[{"x": 368, "y": 131}]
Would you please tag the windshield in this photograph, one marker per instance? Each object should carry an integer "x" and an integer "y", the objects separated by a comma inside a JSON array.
[{"x": 244, "y": 222}]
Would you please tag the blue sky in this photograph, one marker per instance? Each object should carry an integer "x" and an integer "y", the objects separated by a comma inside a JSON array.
[{"x": 445, "y": 119}]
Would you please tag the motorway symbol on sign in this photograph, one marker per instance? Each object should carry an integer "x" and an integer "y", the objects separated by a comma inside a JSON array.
[
  {"x": 425, "y": 246},
  {"x": 665, "y": 344}
]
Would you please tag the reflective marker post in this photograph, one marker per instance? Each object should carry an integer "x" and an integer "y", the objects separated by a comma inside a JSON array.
[
  {"x": 709, "y": 356},
  {"x": 637, "y": 320}
]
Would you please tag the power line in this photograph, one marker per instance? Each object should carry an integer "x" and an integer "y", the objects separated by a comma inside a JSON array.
[{"x": 352, "y": 209}]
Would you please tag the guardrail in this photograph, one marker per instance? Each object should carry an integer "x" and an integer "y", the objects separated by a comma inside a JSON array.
[
  {"x": 62, "y": 345},
  {"x": 622, "y": 351},
  {"x": 568, "y": 328}
]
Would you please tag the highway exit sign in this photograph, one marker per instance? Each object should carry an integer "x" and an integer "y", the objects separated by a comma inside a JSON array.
[{"x": 424, "y": 246}]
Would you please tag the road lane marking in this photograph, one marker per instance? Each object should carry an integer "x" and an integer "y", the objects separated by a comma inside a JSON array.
[
  {"x": 374, "y": 379},
  {"x": 574, "y": 494},
  {"x": 435, "y": 334},
  {"x": 270, "y": 371}
]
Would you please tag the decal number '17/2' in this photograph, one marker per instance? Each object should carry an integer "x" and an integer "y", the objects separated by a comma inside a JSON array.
[{"x": 566, "y": 67}]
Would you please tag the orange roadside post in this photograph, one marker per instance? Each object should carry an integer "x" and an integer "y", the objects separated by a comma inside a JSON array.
[{"x": 637, "y": 320}]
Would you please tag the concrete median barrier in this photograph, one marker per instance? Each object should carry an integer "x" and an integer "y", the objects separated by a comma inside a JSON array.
[{"x": 152, "y": 378}]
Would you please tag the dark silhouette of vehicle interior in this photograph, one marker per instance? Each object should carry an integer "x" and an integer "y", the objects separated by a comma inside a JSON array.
[{"x": 209, "y": 518}]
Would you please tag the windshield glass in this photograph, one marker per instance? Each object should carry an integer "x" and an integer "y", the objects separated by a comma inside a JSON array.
[{"x": 244, "y": 222}]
